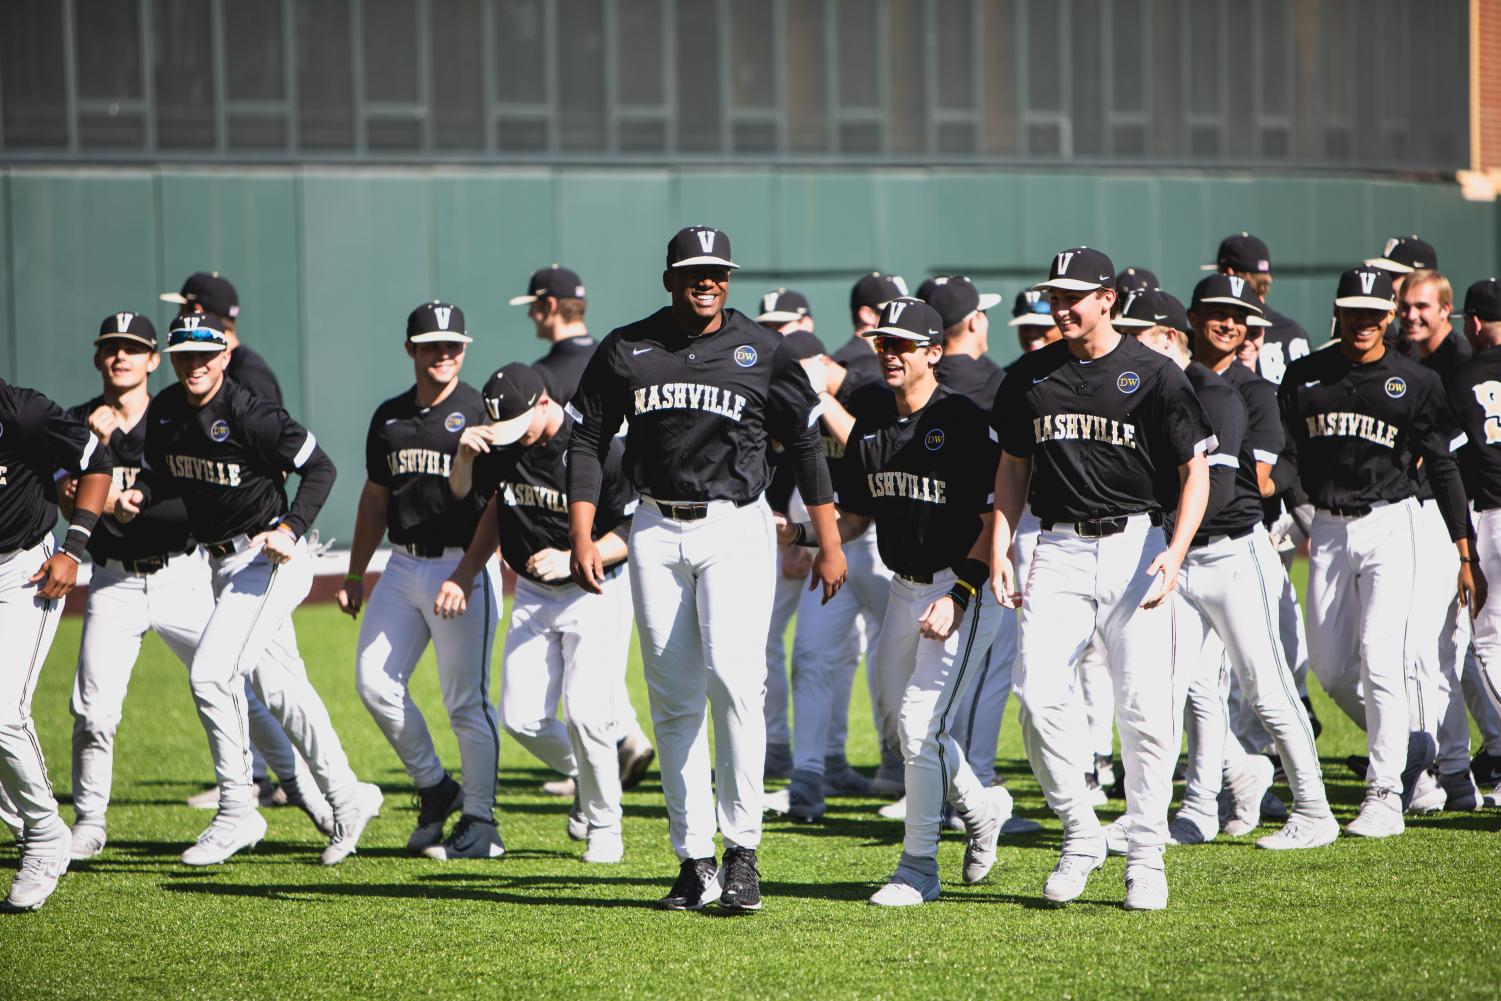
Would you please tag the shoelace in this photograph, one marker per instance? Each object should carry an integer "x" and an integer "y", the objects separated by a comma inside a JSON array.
[
  {"x": 221, "y": 828},
  {"x": 33, "y": 866},
  {"x": 1068, "y": 865},
  {"x": 741, "y": 868}
]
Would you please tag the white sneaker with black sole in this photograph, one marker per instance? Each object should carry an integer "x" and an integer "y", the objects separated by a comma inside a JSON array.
[{"x": 224, "y": 836}]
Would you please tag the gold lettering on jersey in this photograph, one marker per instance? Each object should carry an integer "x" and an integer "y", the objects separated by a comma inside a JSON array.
[
  {"x": 833, "y": 447},
  {"x": 907, "y": 485},
  {"x": 418, "y": 462},
  {"x": 1083, "y": 427},
  {"x": 125, "y": 477},
  {"x": 689, "y": 396},
  {"x": 1345, "y": 425},
  {"x": 1488, "y": 395},
  {"x": 531, "y": 495},
  {"x": 3, "y": 471},
  {"x": 190, "y": 467}
]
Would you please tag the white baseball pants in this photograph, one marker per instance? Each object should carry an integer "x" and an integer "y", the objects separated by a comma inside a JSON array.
[
  {"x": 28, "y": 623},
  {"x": 565, "y": 643},
  {"x": 1441, "y": 628},
  {"x": 778, "y": 693},
  {"x": 702, "y": 592},
  {"x": 1487, "y": 642},
  {"x": 977, "y": 721}
]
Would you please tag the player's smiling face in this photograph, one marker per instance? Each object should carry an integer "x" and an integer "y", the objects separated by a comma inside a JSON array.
[
  {"x": 1362, "y": 329},
  {"x": 439, "y": 361},
  {"x": 125, "y": 364},
  {"x": 698, "y": 293},
  {"x": 1222, "y": 329},
  {"x": 906, "y": 363},
  {"x": 1423, "y": 315},
  {"x": 1077, "y": 313},
  {"x": 200, "y": 372}
]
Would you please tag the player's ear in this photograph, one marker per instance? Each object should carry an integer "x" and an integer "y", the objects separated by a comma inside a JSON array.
[
  {"x": 667, "y": 279},
  {"x": 410, "y": 349},
  {"x": 153, "y": 363}
]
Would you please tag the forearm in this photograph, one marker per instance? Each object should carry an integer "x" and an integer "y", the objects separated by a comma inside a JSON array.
[
  {"x": 461, "y": 475},
  {"x": 482, "y": 545},
  {"x": 612, "y": 548},
  {"x": 1266, "y": 482},
  {"x": 1193, "y": 499},
  {"x": 825, "y": 522},
  {"x": 838, "y": 420},
  {"x": 369, "y": 526},
  {"x": 580, "y": 521},
  {"x": 1012, "y": 477},
  {"x": 93, "y": 490}
]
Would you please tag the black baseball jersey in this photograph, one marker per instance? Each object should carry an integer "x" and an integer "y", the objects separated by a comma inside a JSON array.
[
  {"x": 1283, "y": 343},
  {"x": 227, "y": 460},
  {"x": 1106, "y": 437},
  {"x": 37, "y": 438},
  {"x": 1234, "y": 497},
  {"x": 159, "y": 530},
  {"x": 858, "y": 358},
  {"x": 1475, "y": 394},
  {"x": 533, "y": 496},
  {"x": 926, "y": 479},
  {"x": 250, "y": 370},
  {"x": 1452, "y": 352},
  {"x": 701, "y": 410},
  {"x": 563, "y": 366},
  {"x": 977, "y": 378},
  {"x": 1359, "y": 430},
  {"x": 1263, "y": 418},
  {"x": 409, "y": 450}
]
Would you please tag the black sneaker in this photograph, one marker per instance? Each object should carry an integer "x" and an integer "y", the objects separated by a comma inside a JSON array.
[
  {"x": 1358, "y": 765},
  {"x": 696, "y": 886},
  {"x": 741, "y": 879},
  {"x": 434, "y": 805},
  {"x": 1313, "y": 717},
  {"x": 1486, "y": 767}
]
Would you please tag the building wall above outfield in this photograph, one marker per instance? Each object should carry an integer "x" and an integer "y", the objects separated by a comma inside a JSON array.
[{"x": 329, "y": 261}]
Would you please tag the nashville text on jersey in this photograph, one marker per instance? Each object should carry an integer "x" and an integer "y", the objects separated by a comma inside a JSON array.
[
  {"x": 908, "y": 485},
  {"x": 190, "y": 467},
  {"x": 689, "y": 396},
  {"x": 1343, "y": 425},
  {"x": 531, "y": 495},
  {"x": 419, "y": 461},
  {"x": 1083, "y": 427}
]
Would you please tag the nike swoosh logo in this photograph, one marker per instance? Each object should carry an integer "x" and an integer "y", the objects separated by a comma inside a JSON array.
[
  {"x": 391, "y": 420},
  {"x": 639, "y": 351},
  {"x": 1036, "y": 381},
  {"x": 1159, "y": 316},
  {"x": 1313, "y": 383},
  {"x": 165, "y": 420}
]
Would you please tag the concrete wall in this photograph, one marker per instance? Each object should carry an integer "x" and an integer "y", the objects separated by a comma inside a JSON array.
[{"x": 328, "y": 262}]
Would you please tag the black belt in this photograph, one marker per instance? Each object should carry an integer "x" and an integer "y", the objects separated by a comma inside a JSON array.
[
  {"x": 916, "y": 578},
  {"x": 692, "y": 510},
  {"x": 1204, "y": 540},
  {"x": 147, "y": 565},
  {"x": 221, "y": 550},
  {"x": 1099, "y": 528},
  {"x": 1359, "y": 511},
  {"x": 425, "y": 552}
]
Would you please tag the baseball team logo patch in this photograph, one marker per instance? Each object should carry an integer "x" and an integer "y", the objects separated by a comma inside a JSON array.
[
  {"x": 1128, "y": 382},
  {"x": 933, "y": 441},
  {"x": 1396, "y": 387},
  {"x": 219, "y": 430},
  {"x": 745, "y": 356},
  {"x": 454, "y": 421}
]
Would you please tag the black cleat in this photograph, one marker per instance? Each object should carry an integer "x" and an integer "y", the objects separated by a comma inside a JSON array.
[
  {"x": 1486, "y": 767},
  {"x": 741, "y": 879},
  {"x": 1358, "y": 764},
  {"x": 1313, "y": 717},
  {"x": 697, "y": 884}
]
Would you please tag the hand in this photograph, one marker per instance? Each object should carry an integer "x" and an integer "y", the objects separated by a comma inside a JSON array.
[
  {"x": 476, "y": 439},
  {"x": 1472, "y": 588},
  {"x": 797, "y": 562},
  {"x": 453, "y": 599},
  {"x": 351, "y": 596},
  {"x": 785, "y": 532},
  {"x": 59, "y": 574},
  {"x": 278, "y": 546},
  {"x": 67, "y": 488},
  {"x": 128, "y": 505},
  {"x": 587, "y": 568},
  {"x": 1003, "y": 583},
  {"x": 103, "y": 422},
  {"x": 818, "y": 373},
  {"x": 1166, "y": 564},
  {"x": 941, "y": 619},
  {"x": 829, "y": 569},
  {"x": 549, "y": 565},
  {"x": 834, "y": 374}
]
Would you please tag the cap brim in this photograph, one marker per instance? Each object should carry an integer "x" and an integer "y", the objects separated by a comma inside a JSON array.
[
  {"x": 1068, "y": 285},
  {"x": 1387, "y": 264},
  {"x": 133, "y": 338},
  {"x": 988, "y": 300},
  {"x": 523, "y": 300},
  {"x": 1366, "y": 302},
  {"x": 1209, "y": 267},
  {"x": 176, "y": 297},
  {"x": 904, "y": 334},
  {"x": 436, "y": 336},
  {"x": 694, "y": 262},
  {"x": 1257, "y": 321},
  {"x": 1226, "y": 300},
  {"x": 509, "y": 432},
  {"x": 779, "y": 316},
  {"x": 1131, "y": 323},
  {"x": 201, "y": 346},
  {"x": 1032, "y": 320}
]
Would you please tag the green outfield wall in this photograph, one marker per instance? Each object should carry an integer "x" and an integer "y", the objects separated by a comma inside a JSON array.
[{"x": 329, "y": 261}]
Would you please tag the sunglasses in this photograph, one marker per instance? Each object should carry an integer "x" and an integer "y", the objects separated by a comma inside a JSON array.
[{"x": 888, "y": 345}]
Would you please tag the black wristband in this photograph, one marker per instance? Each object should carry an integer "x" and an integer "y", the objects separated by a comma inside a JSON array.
[
  {"x": 960, "y": 594},
  {"x": 1469, "y": 559},
  {"x": 804, "y": 538},
  {"x": 77, "y": 539},
  {"x": 973, "y": 572}
]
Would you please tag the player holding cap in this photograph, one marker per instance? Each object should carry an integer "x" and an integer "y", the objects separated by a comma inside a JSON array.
[
  {"x": 1358, "y": 418},
  {"x": 1102, "y": 435},
  {"x": 227, "y": 455},
  {"x": 37, "y": 438},
  {"x": 704, "y": 389},
  {"x": 409, "y": 449},
  {"x": 562, "y": 641}
]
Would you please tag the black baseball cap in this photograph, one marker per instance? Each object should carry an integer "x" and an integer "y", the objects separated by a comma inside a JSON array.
[
  {"x": 510, "y": 396},
  {"x": 209, "y": 291},
  {"x": 135, "y": 327},
  {"x": 1151, "y": 308},
  {"x": 804, "y": 344},
  {"x": 1031, "y": 309},
  {"x": 556, "y": 281},
  {"x": 876, "y": 290},
  {"x": 437, "y": 321},
  {"x": 1079, "y": 270},
  {"x": 1483, "y": 299},
  {"x": 1404, "y": 255},
  {"x": 698, "y": 245},
  {"x": 1241, "y": 252},
  {"x": 910, "y": 319},
  {"x": 1135, "y": 280},
  {"x": 197, "y": 332},
  {"x": 783, "y": 306},
  {"x": 1229, "y": 290},
  {"x": 955, "y": 298},
  {"x": 1366, "y": 287}
]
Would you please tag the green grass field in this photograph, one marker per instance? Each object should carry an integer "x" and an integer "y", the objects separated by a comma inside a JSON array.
[{"x": 1415, "y": 916}]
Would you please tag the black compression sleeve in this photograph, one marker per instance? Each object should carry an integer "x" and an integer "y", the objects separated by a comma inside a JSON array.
[
  {"x": 586, "y": 462},
  {"x": 315, "y": 482},
  {"x": 812, "y": 467},
  {"x": 1449, "y": 491}
]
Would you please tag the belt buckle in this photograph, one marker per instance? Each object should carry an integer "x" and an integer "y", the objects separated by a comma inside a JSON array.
[{"x": 1090, "y": 528}]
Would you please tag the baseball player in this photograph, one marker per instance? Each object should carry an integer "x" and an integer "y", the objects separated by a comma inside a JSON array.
[
  {"x": 148, "y": 575},
  {"x": 1132, "y": 280},
  {"x": 1401, "y": 256},
  {"x": 211, "y": 292},
  {"x": 227, "y": 454},
  {"x": 409, "y": 450},
  {"x": 556, "y": 303},
  {"x": 704, "y": 388},
  {"x": 1358, "y": 418},
  {"x": 1101, "y": 435},
  {"x": 867, "y": 296},
  {"x": 1281, "y": 341},
  {"x": 562, "y": 641},
  {"x": 36, "y": 438}
]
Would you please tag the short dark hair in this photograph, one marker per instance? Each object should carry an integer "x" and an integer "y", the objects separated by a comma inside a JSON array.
[{"x": 571, "y": 310}]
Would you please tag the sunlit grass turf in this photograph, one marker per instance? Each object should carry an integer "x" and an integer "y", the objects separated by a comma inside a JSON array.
[{"x": 1415, "y": 916}]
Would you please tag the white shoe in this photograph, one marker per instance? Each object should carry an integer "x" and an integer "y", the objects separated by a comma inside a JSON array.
[
  {"x": 1115, "y": 837},
  {"x": 1248, "y": 786},
  {"x": 1492, "y": 799},
  {"x": 224, "y": 836},
  {"x": 349, "y": 822},
  {"x": 898, "y": 810},
  {"x": 578, "y": 824},
  {"x": 1192, "y": 829},
  {"x": 1068, "y": 877},
  {"x": 901, "y": 894},
  {"x": 562, "y": 788},
  {"x": 606, "y": 846},
  {"x": 1427, "y": 795},
  {"x": 471, "y": 838},
  {"x": 979, "y": 850},
  {"x": 43, "y": 862},
  {"x": 89, "y": 838},
  {"x": 777, "y": 801},
  {"x": 1380, "y": 815},
  {"x": 635, "y": 755},
  {"x": 1302, "y": 831},
  {"x": 1146, "y": 888}
]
